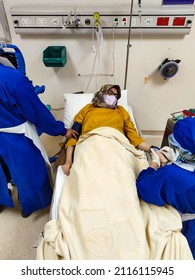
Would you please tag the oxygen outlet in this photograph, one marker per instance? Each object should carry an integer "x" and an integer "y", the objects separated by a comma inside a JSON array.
[
  {"x": 96, "y": 16},
  {"x": 97, "y": 24}
]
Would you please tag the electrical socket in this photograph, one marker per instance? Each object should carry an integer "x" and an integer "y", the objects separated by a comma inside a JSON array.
[
  {"x": 25, "y": 21},
  {"x": 41, "y": 21}
]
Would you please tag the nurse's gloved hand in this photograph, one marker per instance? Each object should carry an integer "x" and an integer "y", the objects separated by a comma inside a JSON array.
[
  {"x": 169, "y": 153},
  {"x": 155, "y": 157},
  {"x": 163, "y": 159}
]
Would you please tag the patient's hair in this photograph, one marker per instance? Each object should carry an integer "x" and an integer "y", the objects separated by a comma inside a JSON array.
[{"x": 98, "y": 96}]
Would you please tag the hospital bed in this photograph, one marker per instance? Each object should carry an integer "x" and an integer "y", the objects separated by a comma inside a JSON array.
[
  {"x": 100, "y": 217},
  {"x": 73, "y": 103}
]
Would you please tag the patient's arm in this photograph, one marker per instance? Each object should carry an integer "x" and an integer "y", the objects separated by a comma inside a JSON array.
[
  {"x": 69, "y": 158},
  {"x": 144, "y": 146}
]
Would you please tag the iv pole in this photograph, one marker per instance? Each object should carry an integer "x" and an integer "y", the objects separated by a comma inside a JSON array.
[{"x": 128, "y": 44}]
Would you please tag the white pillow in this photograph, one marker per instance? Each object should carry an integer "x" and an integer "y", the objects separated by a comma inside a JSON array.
[{"x": 75, "y": 102}]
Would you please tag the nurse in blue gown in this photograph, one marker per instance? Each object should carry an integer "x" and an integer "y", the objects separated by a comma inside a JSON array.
[
  {"x": 174, "y": 184},
  {"x": 19, "y": 104}
]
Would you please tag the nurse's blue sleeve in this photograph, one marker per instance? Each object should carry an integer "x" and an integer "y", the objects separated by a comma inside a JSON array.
[
  {"x": 168, "y": 185},
  {"x": 149, "y": 187},
  {"x": 33, "y": 110}
]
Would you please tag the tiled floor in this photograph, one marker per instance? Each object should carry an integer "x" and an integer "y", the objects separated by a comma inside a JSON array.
[{"x": 18, "y": 235}]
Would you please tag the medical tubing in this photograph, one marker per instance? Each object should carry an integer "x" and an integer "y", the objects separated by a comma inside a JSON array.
[
  {"x": 128, "y": 44},
  {"x": 93, "y": 40},
  {"x": 93, "y": 66},
  {"x": 99, "y": 37}
]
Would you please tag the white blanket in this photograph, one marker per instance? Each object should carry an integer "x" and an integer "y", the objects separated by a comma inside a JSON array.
[{"x": 100, "y": 215}]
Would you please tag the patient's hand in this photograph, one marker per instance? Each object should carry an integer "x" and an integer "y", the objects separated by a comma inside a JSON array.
[
  {"x": 163, "y": 159},
  {"x": 66, "y": 168}
]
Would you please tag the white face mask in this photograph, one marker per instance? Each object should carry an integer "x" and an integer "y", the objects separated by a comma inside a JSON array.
[{"x": 110, "y": 100}]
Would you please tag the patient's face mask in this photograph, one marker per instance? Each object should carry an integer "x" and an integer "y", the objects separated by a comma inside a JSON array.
[{"x": 110, "y": 100}]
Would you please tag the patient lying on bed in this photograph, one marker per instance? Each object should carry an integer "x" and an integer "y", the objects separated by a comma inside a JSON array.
[
  {"x": 100, "y": 215},
  {"x": 104, "y": 112}
]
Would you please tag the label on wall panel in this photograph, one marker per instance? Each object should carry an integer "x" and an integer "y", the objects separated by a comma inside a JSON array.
[{"x": 177, "y": 2}]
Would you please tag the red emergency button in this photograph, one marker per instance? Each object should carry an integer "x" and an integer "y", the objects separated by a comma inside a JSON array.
[
  {"x": 163, "y": 21},
  {"x": 179, "y": 21}
]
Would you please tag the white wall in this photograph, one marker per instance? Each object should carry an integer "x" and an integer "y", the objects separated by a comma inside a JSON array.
[{"x": 152, "y": 103}]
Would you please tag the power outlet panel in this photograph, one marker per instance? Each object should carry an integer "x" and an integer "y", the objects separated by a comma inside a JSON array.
[{"x": 79, "y": 20}]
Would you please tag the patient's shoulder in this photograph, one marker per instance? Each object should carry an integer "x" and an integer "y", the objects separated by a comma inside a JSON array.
[
  {"x": 88, "y": 106},
  {"x": 85, "y": 109},
  {"x": 122, "y": 110},
  {"x": 120, "y": 107}
]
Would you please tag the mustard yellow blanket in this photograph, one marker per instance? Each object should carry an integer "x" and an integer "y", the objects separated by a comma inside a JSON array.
[{"x": 100, "y": 214}]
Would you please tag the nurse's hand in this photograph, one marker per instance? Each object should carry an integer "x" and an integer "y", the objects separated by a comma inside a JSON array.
[
  {"x": 71, "y": 133},
  {"x": 163, "y": 159},
  {"x": 169, "y": 153},
  {"x": 155, "y": 157}
]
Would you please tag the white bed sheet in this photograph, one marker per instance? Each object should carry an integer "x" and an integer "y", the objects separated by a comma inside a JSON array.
[{"x": 61, "y": 178}]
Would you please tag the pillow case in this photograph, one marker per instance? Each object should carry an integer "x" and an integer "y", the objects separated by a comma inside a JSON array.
[{"x": 73, "y": 103}]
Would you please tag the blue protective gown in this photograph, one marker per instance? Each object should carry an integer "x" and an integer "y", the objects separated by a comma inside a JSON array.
[
  {"x": 174, "y": 186},
  {"x": 18, "y": 104}
]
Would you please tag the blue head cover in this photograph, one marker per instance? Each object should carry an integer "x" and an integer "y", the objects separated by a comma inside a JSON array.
[{"x": 184, "y": 133}]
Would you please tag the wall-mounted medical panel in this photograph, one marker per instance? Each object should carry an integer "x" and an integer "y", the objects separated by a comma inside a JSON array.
[{"x": 79, "y": 20}]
